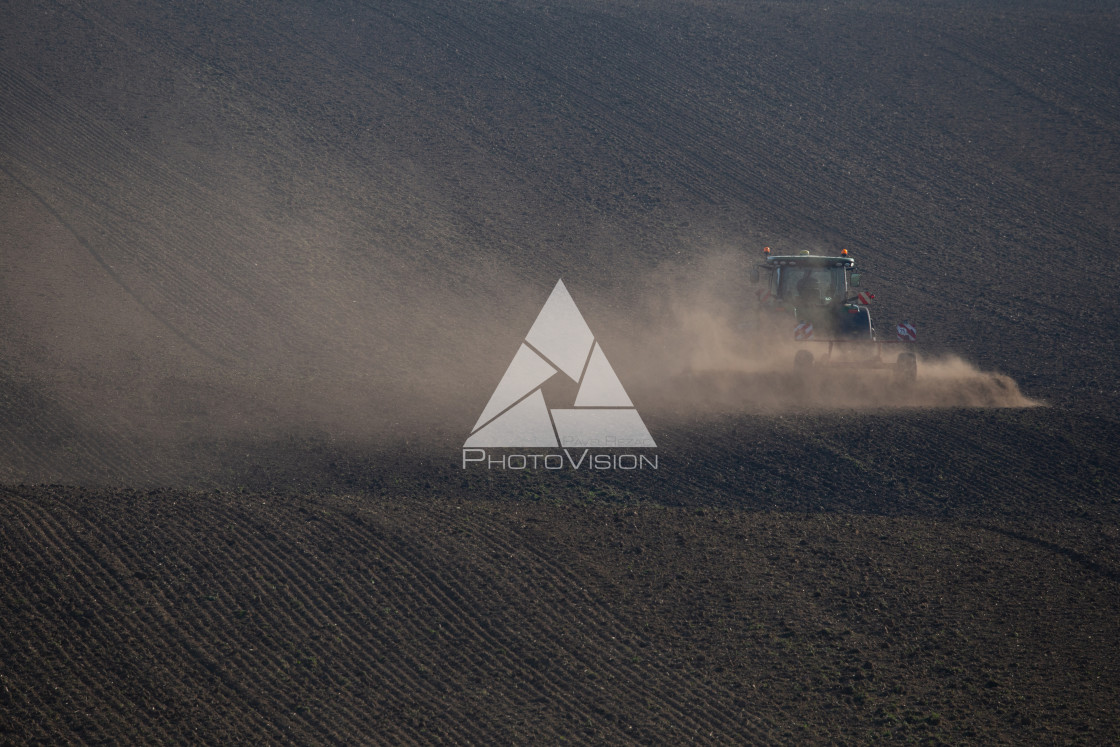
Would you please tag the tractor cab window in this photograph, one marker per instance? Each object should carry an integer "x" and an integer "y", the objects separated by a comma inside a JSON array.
[{"x": 811, "y": 285}]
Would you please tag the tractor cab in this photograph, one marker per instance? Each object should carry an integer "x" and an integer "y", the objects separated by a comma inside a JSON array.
[
  {"x": 817, "y": 290},
  {"x": 811, "y": 283},
  {"x": 807, "y": 279}
]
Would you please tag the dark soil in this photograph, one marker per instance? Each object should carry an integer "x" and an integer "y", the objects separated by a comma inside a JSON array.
[
  {"x": 399, "y": 616},
  {"x": 262, "y": 265}
]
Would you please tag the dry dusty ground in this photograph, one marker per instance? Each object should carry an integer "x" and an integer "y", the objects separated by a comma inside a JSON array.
[{"x": 263, "y": 265}]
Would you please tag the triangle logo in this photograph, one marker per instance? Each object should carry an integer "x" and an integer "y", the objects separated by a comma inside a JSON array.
[{"x": 559, "y": 343}]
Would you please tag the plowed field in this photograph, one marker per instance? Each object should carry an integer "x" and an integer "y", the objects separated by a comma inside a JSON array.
[{"x": 264, "y": 264}]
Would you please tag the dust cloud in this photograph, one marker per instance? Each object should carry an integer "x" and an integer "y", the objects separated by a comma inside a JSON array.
[
  {"x": 701, "y": 345},
  {"x": 302, "y": 331}
]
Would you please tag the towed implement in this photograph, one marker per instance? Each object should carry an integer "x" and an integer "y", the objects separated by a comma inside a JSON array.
[{"x": 819, "y": 300}]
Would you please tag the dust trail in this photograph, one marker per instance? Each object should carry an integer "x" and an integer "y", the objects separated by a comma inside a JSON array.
[
  {"x": 324, "y": 334},
  {"x": 698, "y": 344}
]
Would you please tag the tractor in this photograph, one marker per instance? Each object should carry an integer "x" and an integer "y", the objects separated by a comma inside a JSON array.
[{"x": 819, "y": 300}]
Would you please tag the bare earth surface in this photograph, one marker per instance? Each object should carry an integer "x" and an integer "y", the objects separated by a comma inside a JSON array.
[{"x": 263, "y": 265}]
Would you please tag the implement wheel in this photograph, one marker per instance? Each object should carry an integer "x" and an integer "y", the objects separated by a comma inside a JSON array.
[
  {"x": 906, "y": 368},
  {"x": 803, "y": 360}
]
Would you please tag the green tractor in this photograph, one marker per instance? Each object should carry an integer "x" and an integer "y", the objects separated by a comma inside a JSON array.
[{"x": 822, "y": 295}]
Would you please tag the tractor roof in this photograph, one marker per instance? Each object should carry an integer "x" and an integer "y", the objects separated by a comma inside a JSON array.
[{"x": 810, "y": 260}]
